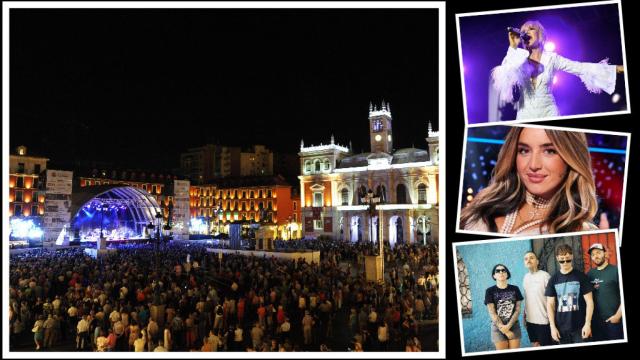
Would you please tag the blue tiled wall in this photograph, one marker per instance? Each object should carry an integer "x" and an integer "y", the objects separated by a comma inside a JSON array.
[{"x": 480, "y": 259}]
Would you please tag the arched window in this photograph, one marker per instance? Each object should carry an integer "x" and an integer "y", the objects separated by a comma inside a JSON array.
[
  {"x": 401, "y": 194},
  {"x": 317, "y": 165},
  {"x": 307, "y": 166},
  {"x": 345, "y": 196},
  {"x": 422, "y": 194},
  {"x": 327, "y": 165}
]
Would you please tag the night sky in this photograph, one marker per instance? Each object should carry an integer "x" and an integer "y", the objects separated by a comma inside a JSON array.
[{"x": 137, "y": 87}]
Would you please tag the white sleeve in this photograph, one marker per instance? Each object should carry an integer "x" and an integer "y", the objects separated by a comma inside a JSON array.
[
  {"x": 595, "y": 76},
  {"x": 509, "y": 73}
]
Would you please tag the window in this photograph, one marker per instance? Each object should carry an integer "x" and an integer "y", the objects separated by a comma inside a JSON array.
[
  {"x": 17, "y": 210},
  {"x": 244, "y": 194},
  {"x": 20, "y": 182},
  {"x": 259, "y": 193},
  {"x": 422, "y": 194},
  {"x": 269, "y": 205},
  {"x": 18, "y": 197},
  {"x": 307, "y": 166},
  {"x": 144, "y": 186},
  {"x": 269, "y": 193},
  {"x": 251, "y": 195},
  {"x": 345, "y": 196},
  {"x": 317, "y": 165},
  {"x": 34, "y": 210},
  {"x": 317, "y": 199},
  {"x": 317, "y": 225},
  {"x": 153, "y": 189},
  {"x": 327, "y": 166},
  {"x": 36, "y": 169},
  {"x": 401, "y": 194},
  {"x": 295, "y": 217},
  {"x": 295, "y": 205},
  {"x": 20, "y": 168}
]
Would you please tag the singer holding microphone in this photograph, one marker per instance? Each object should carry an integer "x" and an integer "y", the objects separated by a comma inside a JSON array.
[{"x": 531, "y": 68}]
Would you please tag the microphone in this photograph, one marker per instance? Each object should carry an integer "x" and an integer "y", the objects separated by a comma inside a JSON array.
[{"x": 523, "y": 35}]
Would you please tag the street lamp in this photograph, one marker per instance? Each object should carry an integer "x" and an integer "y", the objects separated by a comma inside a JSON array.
[
  {"x": 372, "y": 200},
  {"x": 425, "y": 224}
]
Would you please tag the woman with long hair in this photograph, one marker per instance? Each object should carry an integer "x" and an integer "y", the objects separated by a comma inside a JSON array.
[
  {"x": 503, "y": 304},
  {"x": 542, "y": 183},
  {"x": 531, "y": 68}
]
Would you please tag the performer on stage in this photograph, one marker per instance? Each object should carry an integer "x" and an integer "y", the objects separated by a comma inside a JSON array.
[{"x": 531, "y": 68}]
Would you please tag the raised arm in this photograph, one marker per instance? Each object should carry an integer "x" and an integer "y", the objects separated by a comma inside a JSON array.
[
  {"x": 595, "y": 76},
  {"x": 509, "y": 73}
]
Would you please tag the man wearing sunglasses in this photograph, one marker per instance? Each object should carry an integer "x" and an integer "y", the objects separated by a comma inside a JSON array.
[
  {"x": 606, "y": 293},
  {"x": 569, "y": 301}
]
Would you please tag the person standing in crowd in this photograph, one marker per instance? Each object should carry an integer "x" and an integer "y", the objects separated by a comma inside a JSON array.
[
  {"x": 535, "y": 303},
  {"x": 607, "y": 317},
  {"x": 569, "y": 301}
]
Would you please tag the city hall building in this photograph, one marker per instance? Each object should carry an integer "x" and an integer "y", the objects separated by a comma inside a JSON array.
[{"x": 333, "y": 181}]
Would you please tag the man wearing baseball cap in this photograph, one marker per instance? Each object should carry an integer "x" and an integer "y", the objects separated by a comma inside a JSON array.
[{"x": 607, "y": 317}]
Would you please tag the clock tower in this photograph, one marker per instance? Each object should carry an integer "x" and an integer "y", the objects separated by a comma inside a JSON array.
[{"x": 380, "y": 133}]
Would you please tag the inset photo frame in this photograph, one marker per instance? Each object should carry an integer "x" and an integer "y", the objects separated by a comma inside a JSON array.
[
  {"x": 543, "y": 63},
  {"x": 533, "y": 179},
  {"x": 536, "y": 293}
]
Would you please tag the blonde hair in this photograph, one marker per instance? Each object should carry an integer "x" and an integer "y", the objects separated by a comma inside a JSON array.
[
  {"x": 571, "y": 207},
  {"x": 542, "y": 33}
]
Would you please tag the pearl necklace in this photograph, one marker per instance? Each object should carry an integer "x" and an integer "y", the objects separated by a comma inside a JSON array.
[{"x": 537, "y": 203}]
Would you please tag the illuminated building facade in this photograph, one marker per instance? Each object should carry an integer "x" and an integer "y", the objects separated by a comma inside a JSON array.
[
  {"x": 250, "y": 199},
  {"x": 26, "y": 196},
  {"x": 333, "y": 180}
]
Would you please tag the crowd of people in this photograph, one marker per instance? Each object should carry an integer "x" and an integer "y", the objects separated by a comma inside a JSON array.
[{"x": 188, "y": 299}]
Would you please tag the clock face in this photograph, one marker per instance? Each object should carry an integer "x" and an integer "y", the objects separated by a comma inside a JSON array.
[
  {"x": 377, "y": 125},
  {"x": 378, "y": 137}
]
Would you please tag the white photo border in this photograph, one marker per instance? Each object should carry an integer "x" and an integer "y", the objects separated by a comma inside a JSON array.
[
  {"x": 550, "y": 7},
  {"x": 549, "y": 347},
  {"x": 590, "y": 131},
  {"x": 418, "y": 5}
]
